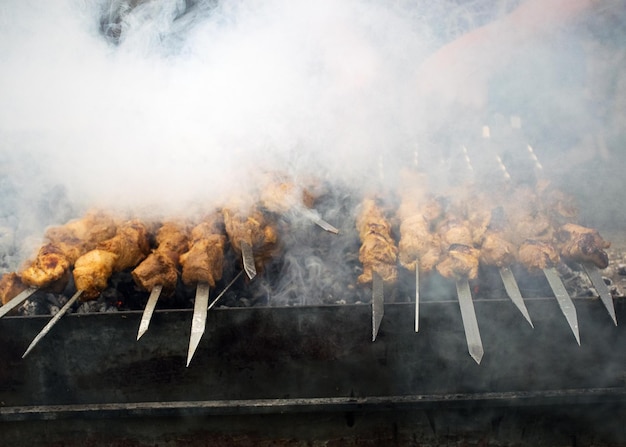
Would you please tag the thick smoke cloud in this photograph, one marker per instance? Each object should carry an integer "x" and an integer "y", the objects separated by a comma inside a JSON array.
[{"x": 179, "y": 103}]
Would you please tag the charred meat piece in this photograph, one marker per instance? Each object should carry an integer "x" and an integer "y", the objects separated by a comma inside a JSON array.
[
  {"x": 583, "y": 244},
  {"x": 537, "y": 255},
  {"x": 253, "y": 229},
  {"x": 50, "y": 265},
  {"x": 126, "y": 249},
  {"x": 378, "y": 252},
  {"x": 161, "y": 266},
  {"x": 460, "y": 261},
  {"x": 10, "y": 286}
]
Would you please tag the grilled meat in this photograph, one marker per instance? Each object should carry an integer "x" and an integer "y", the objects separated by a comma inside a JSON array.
[
  {"x": 537, "y": 255},
  {"x": 92, "y": 272},
  {"x": 378, "y": 252},
  {"x": 418, "y": 246},
  {"x": 253, "y": 229},
  {"x": 50, "y": 268},
  {"x": 582, "y": 244},
  {"x": 204, "y": 262},
  {"x": 81, "y": 235},
  {"x": 497, "y": 251},
  {"x": 130, "y": 244},
  {"x": 459, "y": 261},
  {"x": 161, "y": 266},
  {"x": 126, "y": 249},
  {"x": 10, "y": 286}
]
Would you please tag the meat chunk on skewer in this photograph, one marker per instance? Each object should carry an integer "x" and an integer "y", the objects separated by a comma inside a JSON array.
[
  {"x": 418, "y": 246},
  {"x": 66, "y": 244},
  {"x": 92, "y": 272},
  {"x": 537, "y": 255},
  {"x": 10, "y": 286},
  {"x": 253, "y": 229},
  {"x": 81, "y": 235},
  {"x": 126, "y": 249},
  {"x": 160, "y": 268},
  {"x": 460, "y": 261},
  {"x": 378, "y": 252},
  {"x": 204, "y": 261},
  {"x": 583, "y": 244},
  {"x": 459, "y": 257},
  {"x": 50, "y": 265}
]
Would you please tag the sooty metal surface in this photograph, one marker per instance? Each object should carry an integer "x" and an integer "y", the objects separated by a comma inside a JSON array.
[{"x": 311, "y": 358}]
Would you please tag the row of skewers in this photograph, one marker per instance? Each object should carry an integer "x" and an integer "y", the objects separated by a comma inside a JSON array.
[
  {"x": 158, "y": 254},
  {"x": 532, "y": 224},
  {"x": 449, "y": 234}
]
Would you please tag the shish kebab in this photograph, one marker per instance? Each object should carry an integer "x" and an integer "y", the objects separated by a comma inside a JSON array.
[
  {"x": 497, "y": 249},
  {"x": 530, "y": 231},
  {"x": 252, "y": 236},
  {"x": 51, "y": 267},
  {"x": 202, "y": 266},
  {"x": 92, "y": 270},
  {"x": 580, "y": 244},
  {"x": 378, "y": 255},
  {"x": 419, "y": 247},
  {"x": 459, "y": 262},
  {"x": 284, "y": 197},
  {"x": 158, "y": 273}
]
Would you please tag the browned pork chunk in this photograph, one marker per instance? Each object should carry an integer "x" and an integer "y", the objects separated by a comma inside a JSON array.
[
  {"x": 378, "y": 252},
  {"x": 160, "y": 268},
  {"x": 537, "y": 255},
  {"x": 583, "y": 244},
  {"x": 10, "y": 286}
]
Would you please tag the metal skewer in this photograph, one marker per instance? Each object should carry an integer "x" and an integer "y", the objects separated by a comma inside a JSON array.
[
  {"x": 417, "y": 296},
  {"x": 200, "y": 310},
  {"x": 17, "y": 300},
  {"x": 248, "y": 259},
  {"x": 470, "y": 324},
  {"x": 198, "y": 322},
  {"x": 565, "y": 301},
  {"x": 52, "y": 322},
  {"x": 512, "y": 290},
  {"x": 314, "y": 217},
  {"x": 149, "y": 310},
  {"x": 598, "y": 283},
  {"x": 378, "y": 303},
  {"x": 508, "y": 279}
]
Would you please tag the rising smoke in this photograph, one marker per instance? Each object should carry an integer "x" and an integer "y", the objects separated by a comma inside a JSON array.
[{"x": 166, "y": 106}]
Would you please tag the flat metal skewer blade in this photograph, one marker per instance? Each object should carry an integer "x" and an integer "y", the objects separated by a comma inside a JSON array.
[
  {"x": 248, "y": 259},
  {"x": 17, "y": 300},
  {"x": 314, "y": 217},
  {"x": 378, "y": 304},
  {"x": 598, "y": 283},
  {"x": 228, "y": 286},
  {"x": 565, "y": 301},
  {"x": 470, "y": 324},
  {"x": 512, "y": 289},
  {"x": 149, "y": 310},
  {"x": 52, "y": 322},
  {"x": 198, "y": 322},
  {"x": 417, "y": 297}
]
